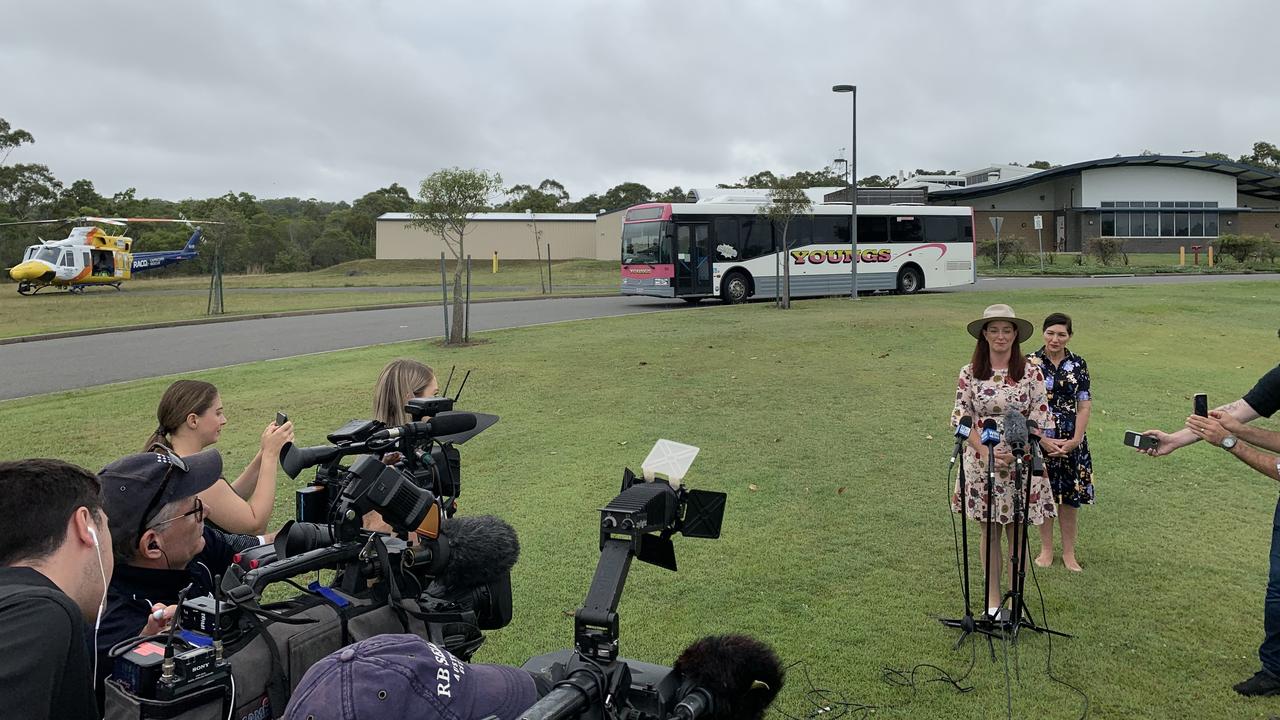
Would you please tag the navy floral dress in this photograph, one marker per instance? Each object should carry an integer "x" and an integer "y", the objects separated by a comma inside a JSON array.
[{"x": 1067, "y": 385}]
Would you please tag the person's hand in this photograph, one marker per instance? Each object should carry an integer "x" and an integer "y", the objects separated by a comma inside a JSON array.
[
  {"x": 1207, "y": 428},
  {"x": 275, "y": 437},
  {"x": 1227, "y": 420},
  {"x": 1164, "y": 446},
  {"x": 156, "y": 625},
  {"x": 1049, "y": 446},
  {"x": 1066, "y": 446},
  {"x": 392, "y": 457},
  {"x": 1004, "y": 458}
]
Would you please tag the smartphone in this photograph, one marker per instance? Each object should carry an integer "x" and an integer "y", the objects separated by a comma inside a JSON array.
[
  {"x": 1142, "y": 442},
  {"x": 281, "y": 418},
  {"x": 1201, "y": 404}
]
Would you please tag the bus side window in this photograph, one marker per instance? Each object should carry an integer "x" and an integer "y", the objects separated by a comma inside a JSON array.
[
  {"x": 725, "y": 239},
  {"x": 873, "y": 230},
  {"x": 832, "y": 229},
  {"x": 941, "y": 229},
  {"x": 906, "y": 230}
]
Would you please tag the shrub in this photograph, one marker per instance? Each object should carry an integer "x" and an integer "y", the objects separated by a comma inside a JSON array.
[
  {"x": 1239, "y": 247},
  {"x": 1107, "y": 250}
]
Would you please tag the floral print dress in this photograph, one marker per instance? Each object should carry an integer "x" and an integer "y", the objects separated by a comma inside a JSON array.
[
  {"x": 983, "y": 399},
  {"x": 1067, "y": 385}
]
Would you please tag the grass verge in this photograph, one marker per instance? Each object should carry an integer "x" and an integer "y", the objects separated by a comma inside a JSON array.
[{"x": 826, "y": 425}]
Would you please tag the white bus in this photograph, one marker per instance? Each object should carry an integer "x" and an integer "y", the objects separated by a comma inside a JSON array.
[{"x": 711, "y": 249}]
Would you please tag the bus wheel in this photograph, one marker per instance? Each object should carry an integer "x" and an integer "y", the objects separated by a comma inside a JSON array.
[
  {"x": 909, "y": 281},
  {"x": 734, "y": 288}
]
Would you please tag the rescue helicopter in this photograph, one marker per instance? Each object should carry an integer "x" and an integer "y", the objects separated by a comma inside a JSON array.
[{"x": 90, "y": 255}]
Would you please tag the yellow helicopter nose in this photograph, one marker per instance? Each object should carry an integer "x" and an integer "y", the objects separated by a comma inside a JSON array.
[{"x": 27, "y": 271}]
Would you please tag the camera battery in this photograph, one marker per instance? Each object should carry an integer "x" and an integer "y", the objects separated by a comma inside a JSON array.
[{"x": 139, "y": 669}]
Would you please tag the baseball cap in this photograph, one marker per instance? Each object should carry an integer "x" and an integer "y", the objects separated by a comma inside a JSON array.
[
  {"x": 136, "y": 487},
  {"x": 408, "y": 678}
]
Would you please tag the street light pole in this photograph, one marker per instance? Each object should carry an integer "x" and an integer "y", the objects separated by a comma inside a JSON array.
[{"x": 853, "y": 185}]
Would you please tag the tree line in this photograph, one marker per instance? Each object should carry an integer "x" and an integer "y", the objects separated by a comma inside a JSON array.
[{"x": 290, "y": 234}]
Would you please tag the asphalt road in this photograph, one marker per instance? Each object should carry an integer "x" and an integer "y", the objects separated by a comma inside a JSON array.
[{"x": 44, "y": 366}]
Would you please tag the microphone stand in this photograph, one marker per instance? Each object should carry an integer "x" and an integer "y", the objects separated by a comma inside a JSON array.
[
  {"x": 968, "y": 624},
  {"x": 1021, "y": 614}
]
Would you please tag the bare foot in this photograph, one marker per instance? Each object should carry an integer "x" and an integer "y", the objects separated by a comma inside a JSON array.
[
  {"x": 1043, "y": 560},
  {"x": 1071, "y": 564}
]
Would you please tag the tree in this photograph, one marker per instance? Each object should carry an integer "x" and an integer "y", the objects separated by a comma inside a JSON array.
[
  {"x": 1039, "y": 165},
  {"x": 787, "y": 199},
  {"x": 447, "y": 202},
  {"x": 877, "y": 181},
  {"x": 1265, "y": 156},
  {"x": 549, "y": 196}
]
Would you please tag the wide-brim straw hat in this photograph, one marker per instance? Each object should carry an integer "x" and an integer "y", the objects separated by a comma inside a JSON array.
[{"x": 1000, "y": 311}]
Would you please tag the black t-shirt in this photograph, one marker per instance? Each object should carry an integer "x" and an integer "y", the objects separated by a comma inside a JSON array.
[
  {"x": 1264, "y": 398},
  {"x": 44, "y": 659}
]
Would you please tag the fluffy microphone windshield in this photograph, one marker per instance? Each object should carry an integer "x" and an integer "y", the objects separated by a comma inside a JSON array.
[
  {"x": 742, "y": 674},
  {"x": 1015, "y": 428},
  {"x": 480, "y": 549}
]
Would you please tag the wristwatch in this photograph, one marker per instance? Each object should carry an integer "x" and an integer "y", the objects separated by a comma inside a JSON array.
[{"x": 1228, "y": 442}]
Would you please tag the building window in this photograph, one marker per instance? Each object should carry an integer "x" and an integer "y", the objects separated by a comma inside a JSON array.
[{"x": 1175, "y": 219}]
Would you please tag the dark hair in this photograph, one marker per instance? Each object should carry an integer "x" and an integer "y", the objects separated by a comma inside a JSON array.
[
  {"x": 183, "y": 398},
  {"x": 981, "y": 360},
  {"x": 124, "y": 540},
  {"x": 1057, "y": 319},
  {"x": 43, "y": 495}
]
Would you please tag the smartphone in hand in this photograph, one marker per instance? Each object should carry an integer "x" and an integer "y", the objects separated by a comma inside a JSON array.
[
  {"x": 1200, "y": 405},
  {"x": 1142, "y": 442},
  {"x": 281, "y": 418}
]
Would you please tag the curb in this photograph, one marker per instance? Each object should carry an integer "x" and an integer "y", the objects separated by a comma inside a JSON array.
[{"x": 266, "y": 316}]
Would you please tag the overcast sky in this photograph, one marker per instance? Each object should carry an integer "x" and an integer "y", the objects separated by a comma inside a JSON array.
[{"x": 334, "y": 99}]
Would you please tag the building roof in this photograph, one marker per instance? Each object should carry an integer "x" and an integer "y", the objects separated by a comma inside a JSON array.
[
  {"x": 507, "y": 216},
  {"x": 1250, "y": 180}
]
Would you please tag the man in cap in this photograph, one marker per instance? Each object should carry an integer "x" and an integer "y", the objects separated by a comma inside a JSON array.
[
  {"x": 55, "y": 558},
  {"x": 160, "y": 539},
  {"x": 406, "y": 677}
]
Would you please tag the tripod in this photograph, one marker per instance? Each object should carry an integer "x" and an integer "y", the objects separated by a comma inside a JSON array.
[
  {"x": 1019, "y": 613},
  {"x": 969, "y": 624}
]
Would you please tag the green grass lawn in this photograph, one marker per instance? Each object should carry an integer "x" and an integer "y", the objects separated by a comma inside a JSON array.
[
  {"x": 378, "y": 282},
  {"x": 827, "y": 427}
]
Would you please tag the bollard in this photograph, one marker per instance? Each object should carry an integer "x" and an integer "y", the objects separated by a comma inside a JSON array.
[
  {"x": 1209, "y": 254},
  {"x": 495, "y": 262},
  {"x": 1182, "y": 256}
]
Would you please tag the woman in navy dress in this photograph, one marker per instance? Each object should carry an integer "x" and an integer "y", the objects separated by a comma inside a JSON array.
[{"x": 1069, "y": 465}]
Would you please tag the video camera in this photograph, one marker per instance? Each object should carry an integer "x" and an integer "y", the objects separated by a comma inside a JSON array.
[
  {"x": 441, "y": 577},
  {"x": 591, "y": 681}
]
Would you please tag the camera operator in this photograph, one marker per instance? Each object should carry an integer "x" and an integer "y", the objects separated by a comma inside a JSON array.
[
  {"x": 405, "y": 677},
  {"x": 400, "y": 381},
  {"x": 55, "y": 558},
  {"x": 161, "y": 542},
  {"x": 1225, "y": 427}
]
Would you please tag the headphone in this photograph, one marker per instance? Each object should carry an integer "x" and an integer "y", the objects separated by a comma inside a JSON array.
[{"x": 93, "y": 533}]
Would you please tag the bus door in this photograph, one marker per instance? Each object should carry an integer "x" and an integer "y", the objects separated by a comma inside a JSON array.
[{"x": 693, "y": 259}]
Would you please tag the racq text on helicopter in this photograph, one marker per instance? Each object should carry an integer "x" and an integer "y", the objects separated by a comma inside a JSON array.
[{"x": 89, "y": 255}]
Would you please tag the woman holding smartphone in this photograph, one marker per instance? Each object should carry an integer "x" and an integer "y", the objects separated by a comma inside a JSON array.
[{"x": 191, "y": 418}]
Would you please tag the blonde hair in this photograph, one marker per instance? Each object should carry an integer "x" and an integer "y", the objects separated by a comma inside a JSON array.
[{"x": 400, "y": 380}]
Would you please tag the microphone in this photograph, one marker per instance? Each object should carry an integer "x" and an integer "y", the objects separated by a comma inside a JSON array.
[
  {"x": 990, "y": 435},
  {"x": 1033, "y": 439},
  {"x": 476, "y": 550},
  {"x": 1015, "y": 432},
  {"x": 729, "y": 677},
  {"x": 438, "y": 426},
  {"x": 962, "y": 434}
]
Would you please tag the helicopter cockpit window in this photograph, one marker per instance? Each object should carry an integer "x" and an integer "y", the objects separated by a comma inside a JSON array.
[
  {"x": 47, "y": 254},
  {"x": 67, "y": 260}
]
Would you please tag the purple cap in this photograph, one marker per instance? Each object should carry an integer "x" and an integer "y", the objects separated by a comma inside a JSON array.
[{"x": 408, "y": 678}]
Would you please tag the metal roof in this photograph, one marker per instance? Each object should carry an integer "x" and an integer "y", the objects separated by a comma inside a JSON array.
[{"x": 1250, "y": 180}]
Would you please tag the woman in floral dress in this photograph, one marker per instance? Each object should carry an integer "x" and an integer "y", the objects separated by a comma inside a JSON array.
[
  {"x": 998, "y": 378},
  {"x": 1069, "y": 464}
]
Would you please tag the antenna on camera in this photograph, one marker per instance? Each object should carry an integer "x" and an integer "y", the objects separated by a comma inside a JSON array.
[
  {"x": 448, "y": 382},
  {"x": 460, "y": 386}
]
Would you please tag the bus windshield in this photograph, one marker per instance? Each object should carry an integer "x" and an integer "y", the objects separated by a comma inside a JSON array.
[{"x": 646, "y": 243}]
